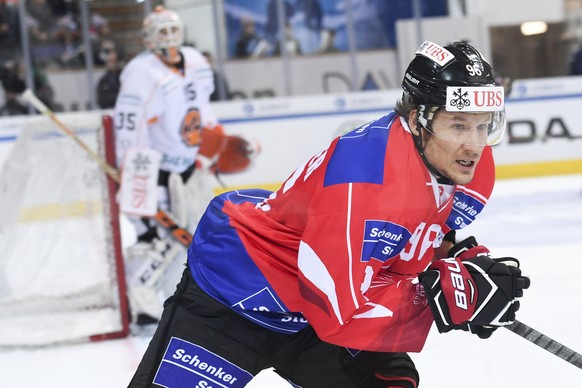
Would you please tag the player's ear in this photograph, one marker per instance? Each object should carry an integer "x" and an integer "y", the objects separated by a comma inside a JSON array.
[{"x": 412, "y": 121}]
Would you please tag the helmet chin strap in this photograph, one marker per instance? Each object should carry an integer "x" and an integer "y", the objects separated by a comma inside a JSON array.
[{"x": 422, "y": 124}]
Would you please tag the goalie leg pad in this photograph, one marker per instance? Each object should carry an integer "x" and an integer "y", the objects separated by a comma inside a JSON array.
[
  {"x": 178, "y": 199},
  {"x": 199, "y": 193},
  {"x": 146, "y": 264}
]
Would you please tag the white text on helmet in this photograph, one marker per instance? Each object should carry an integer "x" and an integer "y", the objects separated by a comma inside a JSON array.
[{"x": 411, "y": 79}]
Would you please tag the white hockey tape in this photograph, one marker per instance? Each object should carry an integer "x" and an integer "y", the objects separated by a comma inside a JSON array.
[{"x": 33, "y": 100}]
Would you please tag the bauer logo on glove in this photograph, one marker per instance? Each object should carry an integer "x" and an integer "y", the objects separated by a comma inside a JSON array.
[{"x": 471, "y": 288}]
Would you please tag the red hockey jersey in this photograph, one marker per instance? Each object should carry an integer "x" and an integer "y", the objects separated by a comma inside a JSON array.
[{"x": 340, "y": 244}]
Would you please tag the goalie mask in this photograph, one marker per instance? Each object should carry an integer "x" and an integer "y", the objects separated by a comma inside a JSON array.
[
  {"x": 455, "y": 78},
  {"x": 163, "y": 33}
]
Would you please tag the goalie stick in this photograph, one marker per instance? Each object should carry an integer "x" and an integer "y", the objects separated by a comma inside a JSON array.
[
  {"x": 164, "y": 218},
  {"x": 545, "y": 342}
]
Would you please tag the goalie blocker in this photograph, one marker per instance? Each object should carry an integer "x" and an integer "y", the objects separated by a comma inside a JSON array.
[
  {"x": 225, "y": 154},
  {"x": 469, "y": 290}
]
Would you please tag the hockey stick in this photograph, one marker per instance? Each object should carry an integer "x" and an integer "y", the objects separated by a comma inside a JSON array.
[
  {"x": 164, "y": 218},
  {"x": 545, "y": 342}
]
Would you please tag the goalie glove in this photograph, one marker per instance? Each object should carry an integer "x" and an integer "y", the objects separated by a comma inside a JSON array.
[
  {"x": 213, "y": 142},
  {"x": 471, "y": 291},
  {"x": 236, "y": 155}
]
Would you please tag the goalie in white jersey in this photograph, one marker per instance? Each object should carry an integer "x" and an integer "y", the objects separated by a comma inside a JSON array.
[{"x": 165, "y": 131}]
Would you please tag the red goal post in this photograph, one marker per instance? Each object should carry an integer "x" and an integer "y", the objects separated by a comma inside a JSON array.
[{"x": 61, "y": 264}]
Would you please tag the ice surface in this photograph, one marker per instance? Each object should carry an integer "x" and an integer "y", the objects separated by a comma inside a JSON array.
[{"x": 537, "y": 220}]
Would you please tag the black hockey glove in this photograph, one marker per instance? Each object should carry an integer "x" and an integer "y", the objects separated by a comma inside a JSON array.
[{"x": 471, "y": 291}]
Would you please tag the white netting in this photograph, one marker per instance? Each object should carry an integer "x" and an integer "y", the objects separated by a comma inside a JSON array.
[{"x": 58, "y": 277}]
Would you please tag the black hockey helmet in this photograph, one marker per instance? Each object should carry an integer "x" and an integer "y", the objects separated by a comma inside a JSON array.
[
  {"x": 455, "y": 78},
  {"x": 434, "y": 68}
]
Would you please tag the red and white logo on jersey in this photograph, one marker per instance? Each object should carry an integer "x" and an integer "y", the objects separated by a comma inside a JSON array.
[
  {"x": 475, "y": 98},
  {"x": 139, "y": 182}
]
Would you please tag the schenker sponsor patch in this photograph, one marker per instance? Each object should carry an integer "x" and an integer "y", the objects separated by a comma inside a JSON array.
[
  {"x": 186, "y": 365},
  {"x": 383, "y": 240},
  {"x": 465, "y": 208}
]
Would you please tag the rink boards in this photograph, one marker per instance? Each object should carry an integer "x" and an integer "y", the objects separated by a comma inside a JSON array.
[{"x": 544, "y": 134}]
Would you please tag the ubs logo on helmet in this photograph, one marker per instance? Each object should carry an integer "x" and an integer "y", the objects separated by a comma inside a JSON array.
[
  {"x": 434, "y": 52},
  {"x": 475, "y": 98},
  {"x": 460, "y": 101},
  {"x": 191, "y": 129}
]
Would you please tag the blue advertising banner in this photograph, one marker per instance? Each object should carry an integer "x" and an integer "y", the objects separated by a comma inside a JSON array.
[{"x": 316, "y": 26}]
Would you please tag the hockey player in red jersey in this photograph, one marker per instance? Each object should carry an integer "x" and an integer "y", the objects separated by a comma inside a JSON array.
[
  {"x": 168, "y": 139},
  {"x": 334, "y": 277}
]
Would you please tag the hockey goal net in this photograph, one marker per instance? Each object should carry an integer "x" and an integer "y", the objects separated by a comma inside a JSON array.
[{"x": 61, "y": 268}]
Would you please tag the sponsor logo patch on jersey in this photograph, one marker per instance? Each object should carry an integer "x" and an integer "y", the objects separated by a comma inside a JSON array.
[
  {"x": 188, "y": 365},
  {"x": 383, "y": 240},
  {"x": 191, "y": 130},
  {"x": 475, "y": 98},
  {"x": 263, "y": 308},
  {"x": 433, "y": 51},
  {"x": 465, "y": 208}
]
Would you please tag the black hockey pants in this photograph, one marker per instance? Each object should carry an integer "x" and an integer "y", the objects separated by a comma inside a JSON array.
[{"x": 200, "y": 343}]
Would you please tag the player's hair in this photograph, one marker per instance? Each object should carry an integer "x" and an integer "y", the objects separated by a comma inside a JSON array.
[{"x": 405, "y": 105}]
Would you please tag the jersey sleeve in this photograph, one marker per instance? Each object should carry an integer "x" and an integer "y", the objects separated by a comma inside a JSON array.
[{"x": 136, "y": 104}]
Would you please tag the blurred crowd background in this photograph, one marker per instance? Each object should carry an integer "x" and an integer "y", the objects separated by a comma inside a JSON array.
[{"x": 71, "y": 52}]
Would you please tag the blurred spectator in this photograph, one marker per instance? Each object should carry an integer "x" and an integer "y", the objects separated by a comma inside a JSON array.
[
  {"x": 576, "y": 62},
  {"x": 99, "y": 32},
  {"x": 272, "y": 28},
  {"x": 313, "y": 24},
  {"x": 109, "y": 84},
  {"x": 291, "y": 44},
  {"x": 220, "y": 82},
  {"x": 60, "y": 8},
  {"x": 12, "y": 79},
  {"x": 313, "y": 13},
  {"x": 42, "y": 88},
  {"x": 249, "y": 44},
  {"x": 52, "y": 37},
  {"x": 9, "y": 31},
  {"x": 13, "y": 86},
  {"x": 328, "y": 42},
  {"x": 504, "y": 81}
]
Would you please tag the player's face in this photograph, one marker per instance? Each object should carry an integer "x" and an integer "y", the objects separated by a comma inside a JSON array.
[{"x": 456, "y": 143}]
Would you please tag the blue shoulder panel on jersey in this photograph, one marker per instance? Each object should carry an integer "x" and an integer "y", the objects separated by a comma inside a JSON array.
[
  {"x": 222, "y": 267},
  {"x": 359, "y": 155}
]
